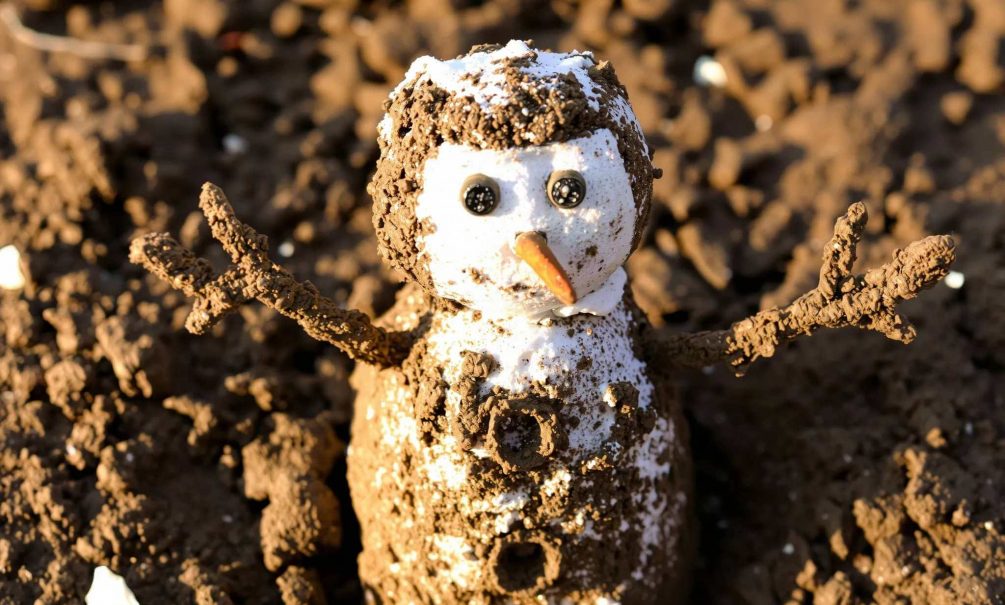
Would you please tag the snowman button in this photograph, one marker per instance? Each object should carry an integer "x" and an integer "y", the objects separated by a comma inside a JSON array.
[
  {"x": 522, "y": 434},
  {"x": 480, "y": 194},
  {"x": 524, "y": 562}
]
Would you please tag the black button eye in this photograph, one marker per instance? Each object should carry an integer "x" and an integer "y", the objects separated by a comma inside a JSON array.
[
  {"x": 480, "y": 194},
  {"x": 566, "y": 188}
]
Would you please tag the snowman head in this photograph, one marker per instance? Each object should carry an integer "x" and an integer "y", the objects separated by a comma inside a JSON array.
[{"x": 511, "y": 180}]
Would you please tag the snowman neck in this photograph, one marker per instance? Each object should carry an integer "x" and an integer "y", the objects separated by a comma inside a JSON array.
[{"x": 599, "y": 302}]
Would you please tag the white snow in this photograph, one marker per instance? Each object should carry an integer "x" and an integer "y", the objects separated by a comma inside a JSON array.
[
  {"x": 557, "y": 484},
  {"x": 955, "y": 280},
  {"x": 445, "y": 463},
  {"x": 11, "y": 276},
  {"x": 464, "y": 567},
  {"x": 709, "y": 72},
  {"x": 457, "y": 76},
  {"x": 470, "y": 257},
  {"x": 108, "y": 588},
  {"x": 602, "y": 300}
]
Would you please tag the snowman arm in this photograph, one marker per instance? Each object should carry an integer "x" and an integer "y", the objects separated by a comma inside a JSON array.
[
  {"x": 253, "y": 276},
  {"x": 840, "y": 299}
]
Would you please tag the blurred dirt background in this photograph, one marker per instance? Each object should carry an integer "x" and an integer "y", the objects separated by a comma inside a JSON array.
[{"x": 206, "y": 470}]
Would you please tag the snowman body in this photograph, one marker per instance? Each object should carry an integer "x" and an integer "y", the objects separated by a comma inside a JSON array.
[{"x": 518, "y": 460}]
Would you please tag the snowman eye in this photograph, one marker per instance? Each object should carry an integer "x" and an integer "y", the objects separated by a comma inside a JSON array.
[
  {"x": 480, "y": 194},
  {"x": 566, "y": 188}
]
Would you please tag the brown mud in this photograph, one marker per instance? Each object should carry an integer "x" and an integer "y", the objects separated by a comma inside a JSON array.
[{"x": 207, "y": 469}]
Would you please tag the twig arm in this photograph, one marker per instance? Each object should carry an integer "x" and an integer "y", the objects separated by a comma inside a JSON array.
[
  {"x": 253, "y": 276},
  {"x": 840, "y": 299}
]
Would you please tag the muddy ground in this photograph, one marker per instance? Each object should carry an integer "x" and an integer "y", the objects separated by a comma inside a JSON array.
[{"x": 848, "y": 469}]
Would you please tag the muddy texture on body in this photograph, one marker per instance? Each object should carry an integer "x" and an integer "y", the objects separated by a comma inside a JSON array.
[{"x": 474, "y": 494}]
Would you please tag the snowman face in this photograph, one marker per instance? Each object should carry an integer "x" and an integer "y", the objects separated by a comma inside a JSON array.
[{"x": 525, "y": 230}]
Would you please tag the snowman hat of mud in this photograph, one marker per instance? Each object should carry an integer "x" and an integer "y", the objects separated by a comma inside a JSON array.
[{"x": 512, "y": 180}]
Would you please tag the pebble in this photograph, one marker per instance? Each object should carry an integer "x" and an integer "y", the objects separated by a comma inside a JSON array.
[
  {"x": 763, "y": 123},
  {"x": 286, "y": 20},
  {"x": 956, "y": 106}
]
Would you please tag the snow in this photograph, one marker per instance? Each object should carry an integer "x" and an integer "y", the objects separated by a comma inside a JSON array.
[
  {"x": 108, "y": 588},
  {"x": 457, "y": 76},
  {"x": 11, "y": 277},
  {"x": 602, "y": 300},
  {"x": 709, "y": 72},
  {"x": 445, "y": 464},
  {"x": 464, "y": 567}
]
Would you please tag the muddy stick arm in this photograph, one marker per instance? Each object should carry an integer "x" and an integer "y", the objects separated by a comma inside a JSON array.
[
  {"x": 840, "y": 299},
  {"x": 253, "y": 276}
]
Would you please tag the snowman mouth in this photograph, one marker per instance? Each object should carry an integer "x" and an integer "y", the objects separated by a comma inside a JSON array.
[{"x": 532, "y": 248}]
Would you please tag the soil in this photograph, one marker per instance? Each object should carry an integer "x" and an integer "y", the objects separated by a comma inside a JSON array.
[{"x": 208, "y": 469}]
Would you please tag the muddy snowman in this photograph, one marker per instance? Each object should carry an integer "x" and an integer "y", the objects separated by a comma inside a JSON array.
[{"x": 516, "y": 437}]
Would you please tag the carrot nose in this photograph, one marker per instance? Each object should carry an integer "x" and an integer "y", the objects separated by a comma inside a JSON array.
[{"x": 533, "y": 249}]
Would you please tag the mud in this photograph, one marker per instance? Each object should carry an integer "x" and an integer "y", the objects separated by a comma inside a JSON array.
[{"x": 846, "y": 469}]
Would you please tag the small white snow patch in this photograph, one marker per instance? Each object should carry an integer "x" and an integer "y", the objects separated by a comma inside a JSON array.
[
  {"x": 108, "y": 588},
  {"x": 444, "y": 465},
  {"x": 457, "y": 75},
  {"x": 955, "y": 280},
  {"x": 235, "y": 144},
  {"x": 464, "y": 568},
  {"x": 709, "y": 72},
  {"x": 11, "y": 277},
  {"x": 601, "y": 301}
]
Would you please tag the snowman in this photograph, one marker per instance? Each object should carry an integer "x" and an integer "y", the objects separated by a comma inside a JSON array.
[{"x": 516, "y": 437}]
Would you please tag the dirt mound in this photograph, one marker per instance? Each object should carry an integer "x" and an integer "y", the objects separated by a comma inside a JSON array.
[{"x": 848, "y": 469}]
